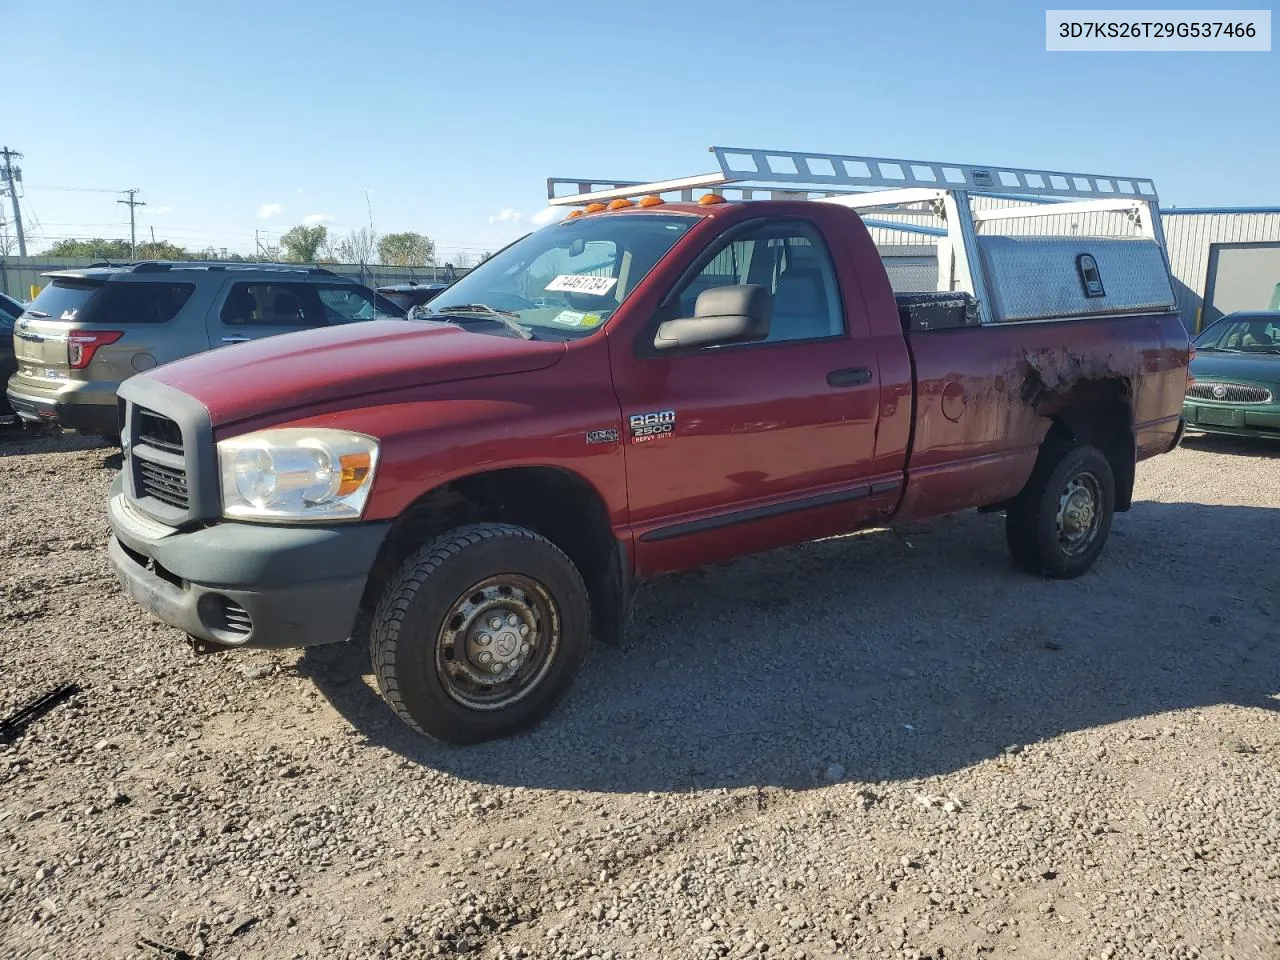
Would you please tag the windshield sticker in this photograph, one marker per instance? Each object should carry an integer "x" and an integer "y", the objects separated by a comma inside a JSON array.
[
  {"x": 572, "y": 318},
  {"x": 582, "y": 283}
]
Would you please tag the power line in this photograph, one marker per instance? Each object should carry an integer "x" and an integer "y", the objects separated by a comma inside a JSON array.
[
  {"x": 133, "y": 203},
  {"x": 31, "y": 186},
  {"x": 9, "y": 157}
]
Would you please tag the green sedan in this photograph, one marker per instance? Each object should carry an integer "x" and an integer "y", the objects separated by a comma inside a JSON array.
[{"x": 1237, "y": 377}]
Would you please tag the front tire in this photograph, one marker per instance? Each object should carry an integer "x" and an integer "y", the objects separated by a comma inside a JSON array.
[
  {"x": 480, "y": 633},
  {"x": 1058, "y": 525}
]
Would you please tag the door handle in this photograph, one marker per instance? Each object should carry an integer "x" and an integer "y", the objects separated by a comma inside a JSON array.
[
  {"x": 236, "y": 339},
  {"x": 849, "y": 377}
]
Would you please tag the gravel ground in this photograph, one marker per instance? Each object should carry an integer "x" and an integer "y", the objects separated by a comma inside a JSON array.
[{"x": 887, "y": 745}]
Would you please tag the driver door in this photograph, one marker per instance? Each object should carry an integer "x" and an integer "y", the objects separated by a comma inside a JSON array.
[{"x": 735, "y": 449}]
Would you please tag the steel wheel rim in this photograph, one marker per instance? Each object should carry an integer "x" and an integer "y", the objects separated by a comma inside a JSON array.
[
  {"x": 498, "y": 642},
  {"x": 1079, "y": 514}
]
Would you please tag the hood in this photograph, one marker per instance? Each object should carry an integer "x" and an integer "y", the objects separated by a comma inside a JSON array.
[
  {"x": 293, "y": 370},
  {"x": 1239, "y": 366}
]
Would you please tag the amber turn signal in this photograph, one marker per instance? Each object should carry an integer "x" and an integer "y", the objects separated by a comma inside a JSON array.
[{"x": 355, "y": 468}]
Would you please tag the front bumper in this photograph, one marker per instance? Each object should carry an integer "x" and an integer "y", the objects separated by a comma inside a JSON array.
[
  {"x": 1261, "y": 420},
  {"x": 241, "y": 584},
  {"x": 89, "y": 417}
]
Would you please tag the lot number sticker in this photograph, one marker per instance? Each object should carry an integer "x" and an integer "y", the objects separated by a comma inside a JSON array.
[
  {"x": 582, "y": 283},
  {"x": 571, "y": 318}
]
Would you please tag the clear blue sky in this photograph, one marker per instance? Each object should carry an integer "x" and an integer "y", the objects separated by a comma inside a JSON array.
[{"x": 236, "y": 116}]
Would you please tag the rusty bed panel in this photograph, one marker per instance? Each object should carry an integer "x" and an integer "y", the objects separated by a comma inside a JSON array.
[{"x": 986, "y": 398}]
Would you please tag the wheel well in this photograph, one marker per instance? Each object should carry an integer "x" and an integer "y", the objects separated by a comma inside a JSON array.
[
  {"x": 559, "y": 505},
  {"x": 1098, "y": 413}
]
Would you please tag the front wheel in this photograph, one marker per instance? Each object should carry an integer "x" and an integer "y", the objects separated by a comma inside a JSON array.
[
  {"x": 480, "y": 633},
  {"x": 1058, "y": 525}
]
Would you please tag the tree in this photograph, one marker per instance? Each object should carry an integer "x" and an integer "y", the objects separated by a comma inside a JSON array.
[
  {"x": 162, "y": 250},
  {"x": 359, "y": 246},
  {"x": 407, "y": 250},
  {"x": 485, "y": 256},
  {"x": 301, "y": 244},
  {"x": 328, "y": 252},
  {"x": 99, "y": 249}
]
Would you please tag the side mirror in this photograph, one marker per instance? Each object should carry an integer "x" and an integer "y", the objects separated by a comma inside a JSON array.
[{"x": 721, "y": 315}]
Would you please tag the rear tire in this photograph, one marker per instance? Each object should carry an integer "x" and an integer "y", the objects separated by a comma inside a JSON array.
[
  {"x": 1058, "y": 525},
  {"x": 480, "y": 633}
]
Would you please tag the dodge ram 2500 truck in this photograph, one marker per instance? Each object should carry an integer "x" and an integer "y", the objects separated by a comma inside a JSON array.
[{"x": 647, "y": 386}]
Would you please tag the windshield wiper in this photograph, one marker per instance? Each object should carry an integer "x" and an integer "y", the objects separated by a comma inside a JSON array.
[
  {"x": 37, "y": 313},
  {"x": 505, "y": 317}
]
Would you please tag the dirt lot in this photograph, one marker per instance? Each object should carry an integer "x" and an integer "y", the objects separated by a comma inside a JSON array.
[{"x": 878, "y": 746}]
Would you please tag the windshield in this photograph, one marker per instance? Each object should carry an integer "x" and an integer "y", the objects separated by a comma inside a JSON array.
[
  {"x": 566, "y": 280},
  {"x": 10, "y": 309},
  {"x": 1251, "y": 334}
]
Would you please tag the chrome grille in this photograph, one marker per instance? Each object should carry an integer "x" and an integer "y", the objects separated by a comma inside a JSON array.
[
  {"x": 1228, "y": 392},
  {"x": 166, "y": 484}
]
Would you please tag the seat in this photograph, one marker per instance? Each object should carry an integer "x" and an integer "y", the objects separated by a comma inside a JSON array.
[
  {"x": 801, "y": 310},
  {"x": 239, "y": 308},
  {"x": 287, "y": 309}
]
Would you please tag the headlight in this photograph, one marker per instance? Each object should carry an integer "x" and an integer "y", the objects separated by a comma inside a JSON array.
[{"x": 297, "y": 474}]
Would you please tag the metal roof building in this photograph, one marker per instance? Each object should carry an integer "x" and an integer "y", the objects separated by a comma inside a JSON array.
[{"x": 1224, "y": 259}]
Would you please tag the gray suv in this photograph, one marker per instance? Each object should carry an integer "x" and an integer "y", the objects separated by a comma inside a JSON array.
[{"x": 89, "y": 330}]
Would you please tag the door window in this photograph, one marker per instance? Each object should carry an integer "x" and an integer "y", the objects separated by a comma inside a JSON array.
[
  {"x": 273, "y": 305},
  {"x": 791, "y": 261},
  {"x": 348, "y": 303}
]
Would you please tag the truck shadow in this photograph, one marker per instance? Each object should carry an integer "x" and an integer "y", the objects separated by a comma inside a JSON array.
[
  {"x": 894, "y": 656},
  {"x": 1236, "y": 446}
]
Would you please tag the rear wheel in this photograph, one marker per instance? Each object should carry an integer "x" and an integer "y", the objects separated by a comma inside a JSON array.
[
  {"x": 480, "y": 633},
  {"x": 1058, "y": 525}
]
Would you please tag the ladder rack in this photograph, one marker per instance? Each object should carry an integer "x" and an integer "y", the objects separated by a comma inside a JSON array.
[
  {"x": 793, "y": 173},
  {"x": 890, "y": 185}
]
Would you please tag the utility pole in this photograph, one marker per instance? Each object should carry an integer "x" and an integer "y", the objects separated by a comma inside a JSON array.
[
  {"x": 132, "y": 203},
  {"x": 9, "y": 157}
]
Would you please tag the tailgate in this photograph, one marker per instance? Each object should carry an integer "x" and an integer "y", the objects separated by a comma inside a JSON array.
[{"x": 40, "y": 343}]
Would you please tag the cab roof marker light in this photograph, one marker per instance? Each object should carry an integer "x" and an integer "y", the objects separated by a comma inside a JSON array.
[
  {"x": 709, "y": 198},
  {"x": 650, "y": 201},
  {"x": 595, "y": 208},
  {"x": 620, "y": 203}
]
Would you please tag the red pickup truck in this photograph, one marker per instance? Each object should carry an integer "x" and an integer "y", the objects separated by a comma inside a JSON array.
[{"x": 644, "y": 387}]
